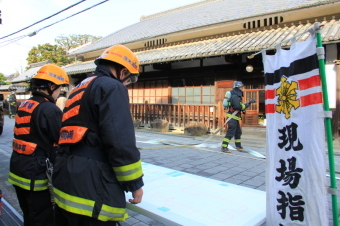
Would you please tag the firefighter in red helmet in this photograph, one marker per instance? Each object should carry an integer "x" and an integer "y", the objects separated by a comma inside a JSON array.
[
  {"x": 36, "y": 132},
  {"x": 97, "y": 157}
]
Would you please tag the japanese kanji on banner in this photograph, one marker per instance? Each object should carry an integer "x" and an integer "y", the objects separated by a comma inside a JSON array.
[{"x": 296, "y": 159}]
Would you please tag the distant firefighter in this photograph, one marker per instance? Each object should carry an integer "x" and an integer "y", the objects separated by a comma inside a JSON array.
[
  {"x": 234, "y": 128},
  {"x": 12, "y": 101}
]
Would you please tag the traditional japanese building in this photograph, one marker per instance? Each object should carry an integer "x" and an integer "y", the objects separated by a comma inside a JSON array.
[{"x": 191, "y": 55}]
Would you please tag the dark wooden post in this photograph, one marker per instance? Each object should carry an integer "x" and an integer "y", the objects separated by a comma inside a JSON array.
[
  {"x": 220, "y": 116},
  {"x": 145, "y": 113},
  {"x": 179, "y": 113}
]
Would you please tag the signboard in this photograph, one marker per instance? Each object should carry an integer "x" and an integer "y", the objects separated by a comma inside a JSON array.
[{"x": 296, "y": 172}]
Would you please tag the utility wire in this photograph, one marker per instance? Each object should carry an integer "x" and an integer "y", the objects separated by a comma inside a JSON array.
[
  {"x": 44, "y": 19},
  {"x": 3, "y": 41},
  {"x": 13, "y": 40},
  {"x": 35, "y": 32}
]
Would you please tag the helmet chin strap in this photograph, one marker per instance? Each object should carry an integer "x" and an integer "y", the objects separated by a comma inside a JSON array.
[
  {"x": 125, "y": 79},
  {"x": 51, "y": 91}
]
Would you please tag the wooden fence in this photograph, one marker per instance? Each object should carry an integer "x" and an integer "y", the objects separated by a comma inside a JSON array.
[{"x": 180, "y": 114}]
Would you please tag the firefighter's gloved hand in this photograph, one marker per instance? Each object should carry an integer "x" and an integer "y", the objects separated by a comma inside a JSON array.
[{"x": 251, "y": 101}]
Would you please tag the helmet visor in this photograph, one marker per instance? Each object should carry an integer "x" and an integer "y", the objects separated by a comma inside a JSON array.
[{"x": 132, "y": 78}]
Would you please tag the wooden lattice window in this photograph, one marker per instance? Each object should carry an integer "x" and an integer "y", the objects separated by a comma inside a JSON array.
[
  {"x": 154, "y": 92},
  {"x": 193, "y": 95}
]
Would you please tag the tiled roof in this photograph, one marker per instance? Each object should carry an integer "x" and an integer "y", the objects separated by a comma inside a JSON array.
[
  {"x": 40, "y": 64},
  {"x": 26, "y": 75},
  {"x": 34, "y": 67},
  {"x": 77, "y": 68},
  {"x": 197, "y": 15},
  {"x": 4, "y": 87},
  {"x": 238, "y": 43}
]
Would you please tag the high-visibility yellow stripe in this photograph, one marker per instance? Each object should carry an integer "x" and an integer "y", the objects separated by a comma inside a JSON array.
[
  {"x": 129, "y": 172},
  {"x": 237, "y": 140},
  {"x": 19, "y": 178},
  {"x": 73, "y": 204},
  {"x": 74, "y": 198},
  {"x": 128, "y": 167},
  {"x": 108, "y": 213},
  {"x": 243, "y": 106},
  {"x": 19, "y": 183},
  {"x": 226, "y": 140},
  {"x": 85, "y": 207},
  {"x": 234, "y": 117},
  {"x": 39, "y": 185}
]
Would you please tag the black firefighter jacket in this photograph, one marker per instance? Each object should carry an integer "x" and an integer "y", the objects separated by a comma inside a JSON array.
[
  {"x": 236, "y": 103},
  {"x": 40, "y": 127},
  {"x": 92, "y": 171}
]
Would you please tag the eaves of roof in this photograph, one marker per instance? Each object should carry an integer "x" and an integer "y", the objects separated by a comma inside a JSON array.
[
  {"x": 24, "y": 77},
  {"x": 238, "y": 43},
  {"x": 41, "y": 63},
  {"x": 199, "y": 15},
  {"x": 4, "y": 87},
  {"x": 77, "y": 68}
]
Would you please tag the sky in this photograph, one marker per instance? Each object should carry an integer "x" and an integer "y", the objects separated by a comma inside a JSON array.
[{"x": 101, "y": 20}]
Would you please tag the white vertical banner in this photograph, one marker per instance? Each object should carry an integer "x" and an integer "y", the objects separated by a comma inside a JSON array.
[{"x": 296, "y": 149}]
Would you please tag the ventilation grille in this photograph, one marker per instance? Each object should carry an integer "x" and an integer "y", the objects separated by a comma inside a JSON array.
[
  {"x": 155, "y": 42},
  {"x": 263, "y": 22}
]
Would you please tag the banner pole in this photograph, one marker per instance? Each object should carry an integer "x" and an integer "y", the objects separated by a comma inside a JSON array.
[{"x": 328, "y": 125}]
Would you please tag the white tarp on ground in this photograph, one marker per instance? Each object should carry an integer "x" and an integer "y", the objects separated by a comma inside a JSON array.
[{"x": 174, "y": 197}]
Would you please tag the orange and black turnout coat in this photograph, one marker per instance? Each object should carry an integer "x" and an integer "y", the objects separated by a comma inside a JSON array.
[
  {"x": 97, "y": 156},
  {"x": 36, "y": 131}
]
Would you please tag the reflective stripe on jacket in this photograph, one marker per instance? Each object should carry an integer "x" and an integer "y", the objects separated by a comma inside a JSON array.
[
  {"x": 234, "y": 117},
  {"x": 38, "y": 185},
  {"x": 86, "y": 207}
]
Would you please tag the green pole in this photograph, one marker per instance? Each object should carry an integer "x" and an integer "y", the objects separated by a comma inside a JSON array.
[{"x": 328, "y": 128}]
